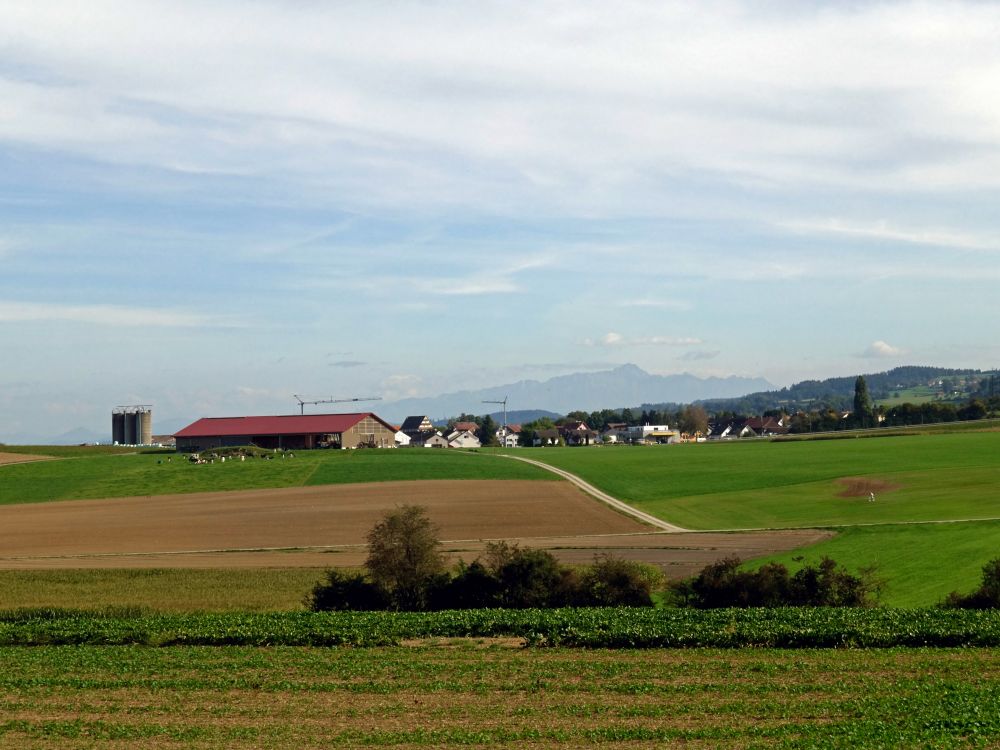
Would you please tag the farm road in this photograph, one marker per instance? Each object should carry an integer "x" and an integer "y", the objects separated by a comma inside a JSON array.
[{"x": 604, "y": 497}]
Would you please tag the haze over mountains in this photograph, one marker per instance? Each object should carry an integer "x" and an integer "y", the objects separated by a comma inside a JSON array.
[{"x": 626, "y": 385}]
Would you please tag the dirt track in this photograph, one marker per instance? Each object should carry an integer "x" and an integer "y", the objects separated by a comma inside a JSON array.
[
  {"x": 20, "y": 458},
  {"x": 325, "y": 526}
]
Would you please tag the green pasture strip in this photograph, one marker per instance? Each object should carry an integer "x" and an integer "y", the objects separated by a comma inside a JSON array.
[
  {"x": 589, "y": 628},
  {"x": 920, "y": 563},
  {"x": 920, "y": 394},
  {"x": 934, "y": 428},
  {"x": 418, "y": 463},
  {"x": 161, "y": 590},
  {"x": 105, "y": 476},
  {"x": 78, "y": 451},
  {"x": 470, "y": 695},
  {"x": 764, "y": 484}
]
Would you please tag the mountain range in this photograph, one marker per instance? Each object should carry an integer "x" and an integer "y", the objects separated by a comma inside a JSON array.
[{"x": 624, "y": 386}]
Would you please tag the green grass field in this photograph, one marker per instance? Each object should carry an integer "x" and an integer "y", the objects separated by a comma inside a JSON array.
[
  {"x": 758, "y": 484},
  {"x": 470, "y": 694},
  {"x": 920, "y": 563},
  {"x": 920, "y": 394},
  {"x": 951, "y": 475},
  {"x": 99, "y": 475}
]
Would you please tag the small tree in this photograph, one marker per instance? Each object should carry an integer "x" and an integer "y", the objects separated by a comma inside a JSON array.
[
  {"x": 488, "y": 431},
  {"x": 404, "y": 556},
  {"x": 862, "y": 403},
  {"x": 614, "y": 582},
  {"x": 694, "y": 419}
]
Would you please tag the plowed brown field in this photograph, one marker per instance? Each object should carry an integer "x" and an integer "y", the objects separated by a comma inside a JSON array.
[
  {"x": 326, "y": 526},
  {"x": 20, "y": 458}
]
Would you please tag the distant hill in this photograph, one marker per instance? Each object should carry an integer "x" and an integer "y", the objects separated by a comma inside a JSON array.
[
  {"x": 523, "y": 416},
  {"x": 626, "y": 385},
  {"x": 837, "y": 393}
]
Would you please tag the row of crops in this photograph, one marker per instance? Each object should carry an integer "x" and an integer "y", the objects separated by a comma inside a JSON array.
[{"x": 589, "y": 628}]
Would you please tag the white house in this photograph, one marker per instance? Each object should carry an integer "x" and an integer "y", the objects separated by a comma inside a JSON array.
[
  {"x": 649, "y": 433},
  {"x": 402, "y": 439},
  {"x": 463, "y": 439},
  {"x": 508, "y": 437}
]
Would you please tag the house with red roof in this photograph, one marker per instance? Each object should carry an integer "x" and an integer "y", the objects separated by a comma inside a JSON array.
[{"x": 290, "y": 432}]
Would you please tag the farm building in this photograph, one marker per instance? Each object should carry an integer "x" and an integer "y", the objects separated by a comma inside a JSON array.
[{"x": 294, "y": 432}]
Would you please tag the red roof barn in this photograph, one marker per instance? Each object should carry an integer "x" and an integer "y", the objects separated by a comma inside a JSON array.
[{"x": 294, "y": 432}]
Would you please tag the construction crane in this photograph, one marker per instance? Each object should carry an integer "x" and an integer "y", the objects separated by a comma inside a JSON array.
[
  {"x": 331, "y": 400},
  {"x": 504, "y": 402}
]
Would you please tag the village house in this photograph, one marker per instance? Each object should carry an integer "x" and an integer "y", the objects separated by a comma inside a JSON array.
[
  {"x": 649, "y": 434},
  {"x": 463, "y": 439},
  {"x": 547, "y": 437},
  {"x": 509, "y": 436},
  {"x": 577, "y": 433}
]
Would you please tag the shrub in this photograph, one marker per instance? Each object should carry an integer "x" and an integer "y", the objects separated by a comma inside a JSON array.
[
  {"x": 987, "y": 596},
  {"x": 473, "y": 587},
  {"x": 613, "y": 582},
  {"x": 723, "y": 584},
  {"x": 531, "y": 578},
  {"x": 343, "y": 591}
]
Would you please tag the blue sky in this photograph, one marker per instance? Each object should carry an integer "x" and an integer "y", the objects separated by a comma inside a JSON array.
[{"x": 210, "y": 206}]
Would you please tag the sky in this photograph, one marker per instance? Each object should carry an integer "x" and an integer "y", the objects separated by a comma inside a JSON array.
[{"x": 211, "y": 206}]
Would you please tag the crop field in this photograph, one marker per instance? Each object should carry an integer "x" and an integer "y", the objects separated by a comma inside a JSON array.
[
  {"x": 161, "y": 531},
  {"x": 165, "y": 590},
  {"x": 482, "y": 694},
  {"x": 103, "y": 475},
  {"x": 606, "y": 628}
]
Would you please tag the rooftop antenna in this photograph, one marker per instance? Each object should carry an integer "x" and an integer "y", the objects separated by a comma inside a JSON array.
[
  {"x": 331, "y": 400},
  {"x": 504, "y": 402}
]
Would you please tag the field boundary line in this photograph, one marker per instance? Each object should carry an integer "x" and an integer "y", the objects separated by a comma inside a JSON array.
[
  {"x": 604, "y": 497},
  {"x": 863, "y": 524}
]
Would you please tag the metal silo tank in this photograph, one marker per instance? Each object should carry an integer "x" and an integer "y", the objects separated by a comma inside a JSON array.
[
  {"x": 118, "y": 427},
  {"x": 146, "y": 427},
  {"x": 131, "y": 428}
]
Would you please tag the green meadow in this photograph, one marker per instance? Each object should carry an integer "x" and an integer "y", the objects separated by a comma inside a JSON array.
[
  {"x": 761, "y": 484},
  {"x": 100, "y": 475},
  {"x": 946, "y": 477}
]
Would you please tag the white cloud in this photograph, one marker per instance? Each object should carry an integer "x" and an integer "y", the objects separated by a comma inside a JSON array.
[
  {"x": 881, "y": 350},
  {"x": 698, "y": 356},
  {"x": 500, "y": 279},
  {"x": 466, "y": 287},
  {"x": 882, "y": 230},
  {"x": 107, "y": 315},
  {"x": 395, "y": 387},
  {"x": 612, "y": 339},
  {"x": 657, "y": 302},
  {"x": 454, "y": 103}
]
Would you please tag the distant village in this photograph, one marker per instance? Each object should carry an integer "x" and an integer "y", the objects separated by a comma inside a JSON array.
[
  {"x": 689, "y": 424},
  {"x": 419, "y": 431}
]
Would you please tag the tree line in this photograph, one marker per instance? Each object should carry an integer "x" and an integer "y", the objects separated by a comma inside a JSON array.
[{"x": 405, "y": 570}]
